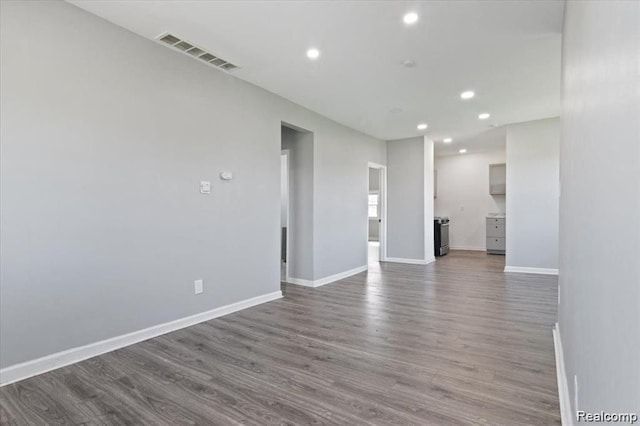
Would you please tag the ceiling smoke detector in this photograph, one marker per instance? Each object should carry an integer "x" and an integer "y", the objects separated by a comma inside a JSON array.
[{"x": 195, "y": 52}]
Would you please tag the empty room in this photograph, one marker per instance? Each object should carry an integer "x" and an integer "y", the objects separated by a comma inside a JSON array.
[{"x": 319, "y": 212}]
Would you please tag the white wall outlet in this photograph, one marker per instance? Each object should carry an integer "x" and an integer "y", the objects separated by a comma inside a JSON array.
[
  {"x": 205, "y": 187},
  {"x": 198, "y": 286}
]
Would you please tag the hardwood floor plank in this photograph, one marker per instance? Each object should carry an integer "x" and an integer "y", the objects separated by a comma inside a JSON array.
[{"x": 456, "y": 342}]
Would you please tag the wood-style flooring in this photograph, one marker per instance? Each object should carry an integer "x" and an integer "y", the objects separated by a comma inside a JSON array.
[{"x": 457, "y": 342}]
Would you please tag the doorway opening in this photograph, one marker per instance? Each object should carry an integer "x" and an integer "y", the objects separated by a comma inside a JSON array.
[
  {"x": 284, "y": 212},
  {"x": 376, "y": 211},
  {"x": 296, "y": 205}
]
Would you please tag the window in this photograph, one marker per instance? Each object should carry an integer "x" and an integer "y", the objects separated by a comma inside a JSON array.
[{"x": 373, "y": 205}]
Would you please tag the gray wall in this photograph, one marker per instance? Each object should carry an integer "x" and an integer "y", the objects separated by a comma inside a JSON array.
[
  {"x": 410, "y": 199},
  {"x": 284, "y": 192},
  {"x": 599, "y": 314},
  {"x": 300, "y": 146},
  {"x": 105, "y": 137},
  {"x": 340, "y": 200},
  {"x": 429, "y": 184},
  {"x": 533, "y": 190},
  {"x": 374, "y": 179}
]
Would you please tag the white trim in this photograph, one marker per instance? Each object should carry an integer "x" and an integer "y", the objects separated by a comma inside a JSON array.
[
  {"x": 563, "y": 386},
  {"x": 468, "y": 248},
  {"x": 410, "y": 261},
  {"x": 37, "y": 366},
  {"x": 527, "y": 270},
  {"x": 340, "y": 276},
  {"x": 329, "y": 279},
  {"x": 300, "y": 281}
]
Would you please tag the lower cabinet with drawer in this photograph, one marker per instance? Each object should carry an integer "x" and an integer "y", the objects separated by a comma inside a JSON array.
[{"x": 496, "y": 235}]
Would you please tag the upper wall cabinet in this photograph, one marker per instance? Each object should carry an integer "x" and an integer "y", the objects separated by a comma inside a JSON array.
[{"x": 497, "y": 179}]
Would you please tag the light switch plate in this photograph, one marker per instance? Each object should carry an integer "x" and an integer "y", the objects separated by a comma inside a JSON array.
[
  {"x": 198, "y": 286},
  {"x": 205, "y": 187}
]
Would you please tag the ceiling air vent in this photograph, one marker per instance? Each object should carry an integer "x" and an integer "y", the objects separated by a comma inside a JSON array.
[{"x": 196, "y": 52}]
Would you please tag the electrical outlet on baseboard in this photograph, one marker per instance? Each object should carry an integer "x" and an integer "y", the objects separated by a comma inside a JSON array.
[{"x": 198, "y": 286}]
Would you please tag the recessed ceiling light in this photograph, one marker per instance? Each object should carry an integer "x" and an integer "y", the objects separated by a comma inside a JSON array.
[
  {"x": 313, "y": 53},
  {"x": 447, "y": 140},
  {"x": 422, "y": 126},
  {"x": 410, "y": 18},
  {"x": 484, "y": 116},
  {"x": 462, "y": 151},
  {"x": 467, "y": 94}
]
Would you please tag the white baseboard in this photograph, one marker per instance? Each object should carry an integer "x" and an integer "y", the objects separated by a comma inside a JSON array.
[
  {"x": 563, "y": 387},
  {"x": 300, "y": 281},
  {"x": 57, "y": 360},
  {"x": 526, "y": 270},
  {"x": 340, "y": 276},
  {"x": 329, "y": 279},
  {"x": 410, "y": 261},
  {"x": 468, "y": 248}
]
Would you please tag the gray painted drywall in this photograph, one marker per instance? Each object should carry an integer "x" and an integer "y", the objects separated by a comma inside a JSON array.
[
  {"x": 533, "y": 190},
  {"x": 105, "y": 137},
  {"x": 300, "y": 146},
  {"x": 599, "y": 313},
  {"x": 374, "y": 186},
  {"x": 340, "y": 200},
  {"x": 374, "y": 179},
  {"x": 405, "y": 198},
  {"x": 429, "y": 161},
  {"x": 284, "y": 191},
  {"x": 410, "y": 199}
]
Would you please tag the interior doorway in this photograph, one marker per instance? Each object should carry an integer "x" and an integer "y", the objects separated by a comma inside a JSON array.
[
  {"x": 284, "y": 213},
  {"x": 376, "y": 211},
  {"x": 296, "y": 254}
]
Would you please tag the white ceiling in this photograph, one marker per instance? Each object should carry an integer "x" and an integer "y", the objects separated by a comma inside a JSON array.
[
  {"x": 508, "y": 52},
  {"x": 486, "y": 141}
]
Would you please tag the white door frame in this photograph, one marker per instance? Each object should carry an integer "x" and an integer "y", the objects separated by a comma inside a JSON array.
[
  {"x": 286, "y": 153},
  {"x": 382, "y": 200}
]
